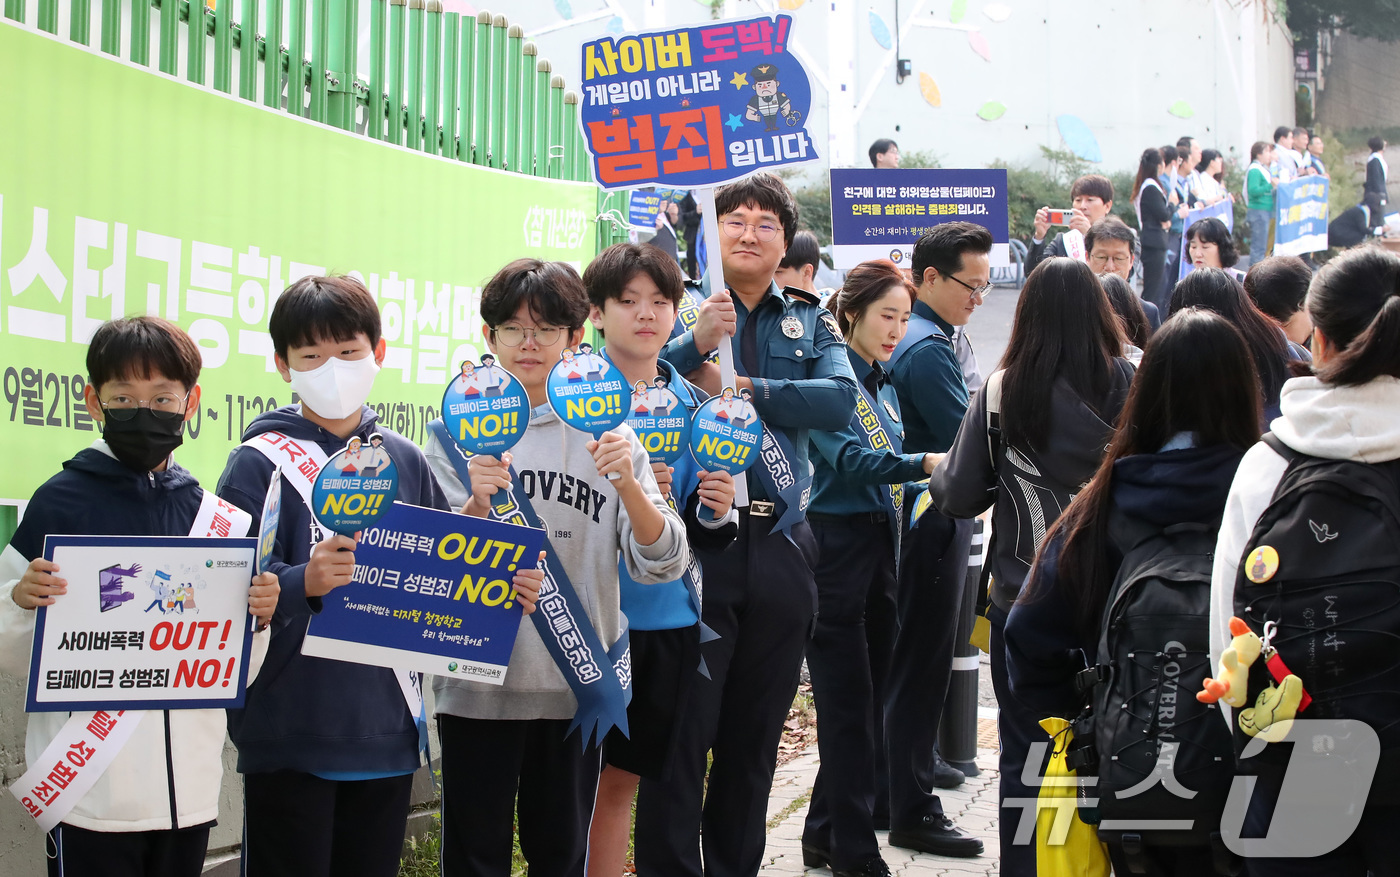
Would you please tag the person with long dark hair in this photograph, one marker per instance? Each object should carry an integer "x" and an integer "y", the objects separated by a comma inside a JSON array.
[
  {"x": 1154, "y": 218},
  {"x": 1346, "y": 410},
  {"x": 1131, "y": 316},
  {"x": 1061, "y": 385},
  {"x": 1188, "y": 420},
  {"x": 857, "y": 493},
  {"x": 1210, "y": 175},
  {"x": 1217, "y": 291}
]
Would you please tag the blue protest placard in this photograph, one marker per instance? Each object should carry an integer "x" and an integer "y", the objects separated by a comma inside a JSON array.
[
  {"x": 695, "y": 106},
  {"x": 881, "y": 214},
  {"x": 267, "y": 524},
  {"x": 484, "y": 408},
  {"x": 149, "y": 622},
  {"x": 660, "y": 420},
  {"x": 356, "y": 486},
  {"x": 586, "y": 391},
  {"x": 1300, "y": 212},
  {"x": 431, "y": 592},
  {"x": 1223, "y": 211},
  {"x": 644, "y": 204},
  {"x": 726, "y": 432}
]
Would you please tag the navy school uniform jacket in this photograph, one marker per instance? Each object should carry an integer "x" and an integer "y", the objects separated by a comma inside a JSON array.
[
  {"x": 1043, "y": 650},
  {"x": 309, "y": 714}
]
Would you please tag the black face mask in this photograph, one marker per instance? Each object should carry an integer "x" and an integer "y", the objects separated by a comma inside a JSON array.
[{"x": 145, "y": 441}]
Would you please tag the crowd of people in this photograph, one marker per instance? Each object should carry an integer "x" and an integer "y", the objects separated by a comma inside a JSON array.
[{"x": 1113, "y": 424}]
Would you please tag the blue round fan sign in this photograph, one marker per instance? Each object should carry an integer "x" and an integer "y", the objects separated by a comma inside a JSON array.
[
  {"x": 660, "y": 420},
  {"x": 586, "y": 391},
  {"x": 484, "y": 408},
  {"x": 356, "y": 487},
  {"x": 726, "y": 433}
]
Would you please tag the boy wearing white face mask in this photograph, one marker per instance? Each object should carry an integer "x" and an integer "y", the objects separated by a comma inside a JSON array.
[{"x": 327, "y": 749}]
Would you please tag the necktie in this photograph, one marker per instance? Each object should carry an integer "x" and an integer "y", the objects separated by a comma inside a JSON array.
[{"x": 748, "y": 345}]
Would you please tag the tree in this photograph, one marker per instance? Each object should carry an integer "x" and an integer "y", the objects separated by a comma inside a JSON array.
[{"x": 1377, "y": 19}]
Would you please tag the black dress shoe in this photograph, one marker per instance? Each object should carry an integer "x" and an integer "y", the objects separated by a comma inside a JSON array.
[
  {"x": 814, "y": 856},
  {"x": 937, "y": 835},
  {"x": 876, "y": 867},
  {"x": 945, "y": 776}
]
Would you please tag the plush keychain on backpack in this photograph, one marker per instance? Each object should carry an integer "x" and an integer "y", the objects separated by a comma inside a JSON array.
[
  {"x": 1231, "y": 682},
  {"x": 1273, "y": 712}
]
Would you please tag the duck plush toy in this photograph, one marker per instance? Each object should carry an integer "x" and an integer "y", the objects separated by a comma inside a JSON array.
[
  {"x": 1273, "y": 712},
  {"x": 1231, "y": 682}
]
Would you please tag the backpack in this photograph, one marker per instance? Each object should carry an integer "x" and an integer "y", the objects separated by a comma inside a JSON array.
[
  {"x": 1162, "y": 755},
  {"x": 1331, "y": 585}
]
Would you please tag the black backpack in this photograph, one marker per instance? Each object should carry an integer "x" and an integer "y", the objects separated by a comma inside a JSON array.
[
  {"x": 1162, "y": 755},
  {"x": 1331, "y": 586}
]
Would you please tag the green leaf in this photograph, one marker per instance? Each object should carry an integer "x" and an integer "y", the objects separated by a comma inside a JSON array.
[
  {"x": 959, "y": 9},
  {"x": 992, "y": 110},
  {"x": 1181, "y": 109}
]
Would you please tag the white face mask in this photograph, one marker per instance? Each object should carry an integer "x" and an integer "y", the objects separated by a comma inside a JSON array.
[{"x": 337, "y": 388}]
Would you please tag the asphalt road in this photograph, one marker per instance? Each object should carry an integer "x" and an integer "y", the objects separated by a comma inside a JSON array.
[{"x": 990, "y": 328}]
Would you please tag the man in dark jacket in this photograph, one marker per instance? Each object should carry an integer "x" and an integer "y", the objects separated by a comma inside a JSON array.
[
  {"x": 665, "y": 238},
  {"x": 1092, "y": 199},
  {"x": 690, "y": 223},
  {"x": 1373, "y": 192}
]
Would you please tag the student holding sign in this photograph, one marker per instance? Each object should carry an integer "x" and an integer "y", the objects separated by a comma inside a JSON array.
[
  {"x": 533, "y": 738},
  {"x": 858, "y": 492},
  {"x": 761, "y": 596},
  {"x": 327, "y": 748},
  {"x": 634, "y": 292},
  {"x": 155, "y": 790}
]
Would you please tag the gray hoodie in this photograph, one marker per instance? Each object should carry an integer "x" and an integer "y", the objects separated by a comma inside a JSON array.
[{"x": 587, "y": 527}]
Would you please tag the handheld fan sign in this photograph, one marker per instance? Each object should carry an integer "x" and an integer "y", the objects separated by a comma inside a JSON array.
[
  {"x": 484, "y": 408},
  {"x": 660, "y": 420},
  {"x": 267, "y": 524},
  {"x": 356, "y": 487},
  {"x": 587, "y": 392},
  {"x": 726, "y": 434}
]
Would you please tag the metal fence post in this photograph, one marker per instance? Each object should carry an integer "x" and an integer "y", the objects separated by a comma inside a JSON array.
[
  {"x": 515, "y": 64},
  {"x": 542, "y": 77},
  {"x": 526, "y": 156},
  {"x": 466, "y": 88},
  {"x": 140, "y": 33},
  {"x": 374, "y": 112},
  {"x": 413, "y": 71},
  {"x": 194, "y": 42},
  {"x": 451, "y": 28},
  {"x": 567, "y": 137},
  {"x": 398, "y": 12},
  {"x": 223, "y": 47},
  {"x": 341, "y": 40},
  {"x": 272, "y": 56},
  {"x": 556, "y": 128},
  {"x": 112, "y": 26},
  {"x": 495, "y": 152},
  {"x": 481, "y": 72},
  {"x": 79, "y": 22},
  {"x": 48, "y": 15},
  {"x": 296, "y": 61},
  {"x": 432, "y": 79},
  {"x": 14, "y": 10},
  {"x": 248, "y": 52}
]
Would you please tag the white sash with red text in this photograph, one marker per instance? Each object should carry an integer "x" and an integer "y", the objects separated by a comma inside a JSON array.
[{"x": 88, "y": 742}]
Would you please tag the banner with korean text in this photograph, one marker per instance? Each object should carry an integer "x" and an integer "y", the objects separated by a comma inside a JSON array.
[
  {"x": 431, "y": 592},
  {"x": 132, "y": 192},
  {"x": 1301, "y": 216},
  {"x": 695, "y": 106},
  {"x": 881, "y": 214},
  {"x": 156, "y": 622}
]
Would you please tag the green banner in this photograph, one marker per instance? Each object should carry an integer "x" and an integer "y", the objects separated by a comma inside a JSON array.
[{"x": 123, "y": 191}]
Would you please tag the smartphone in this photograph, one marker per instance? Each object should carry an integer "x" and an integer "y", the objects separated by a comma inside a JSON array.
[{"x": 1061, "y": 216}]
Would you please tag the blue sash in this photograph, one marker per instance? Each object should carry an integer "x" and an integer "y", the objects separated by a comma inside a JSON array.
[
  {"x": 873, "y": 431},
  {"x": 561, "y": 620}
]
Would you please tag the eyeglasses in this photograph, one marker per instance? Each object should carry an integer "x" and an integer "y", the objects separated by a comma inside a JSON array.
[
  {"x": 513, "y": 336},
  {"x": 973, "y": 291},
  {"x": 165, "y": 406},
  {"x": 764, "y": 231},
  {"x": 1103, "y": 260}
]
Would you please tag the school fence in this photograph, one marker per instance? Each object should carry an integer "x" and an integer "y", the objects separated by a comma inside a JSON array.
[{"x": 160, "y": 170}]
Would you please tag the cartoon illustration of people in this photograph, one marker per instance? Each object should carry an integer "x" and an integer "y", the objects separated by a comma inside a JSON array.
[
  {"x": 468, "y": 382},
  {"x": 744, "y": 412},
  {"x": 351, "y": 460},
  {"x": 378, "y": 458},
  {"x": 663, "y": 401},
  {"x": 724, "y": 410},
  {"x": 160, "y": 584},
  {"x": 573, "y": 368},
  {"x": 641, "y": 399},
  {"x": 187, "y": 598},
  {"x": 493, "y": 378},
  {"x": 593, "y": 365},
  {"x": 110, "y": 592},
  {"x": 767, "y": 103}
]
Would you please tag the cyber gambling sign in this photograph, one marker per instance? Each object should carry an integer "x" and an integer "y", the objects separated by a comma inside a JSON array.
[
  {"x": 87, "y": 235},
  {"x": 695, "y": 106}
]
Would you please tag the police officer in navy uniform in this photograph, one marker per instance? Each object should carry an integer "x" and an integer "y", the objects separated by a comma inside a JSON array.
[
  {"x": 952, "y": 271},
  {"x": 760, "y": 595},
  {"x": 855, "y": 516}
]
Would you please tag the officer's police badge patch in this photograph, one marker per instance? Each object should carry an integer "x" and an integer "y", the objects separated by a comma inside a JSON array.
[{"x": 830, "y": 322}]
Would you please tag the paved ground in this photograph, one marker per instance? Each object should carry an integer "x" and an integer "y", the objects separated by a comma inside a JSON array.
[{"x": 972, "y": 807}]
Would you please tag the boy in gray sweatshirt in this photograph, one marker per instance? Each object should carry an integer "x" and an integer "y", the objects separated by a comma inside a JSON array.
[{"x": 498, "y": 741}]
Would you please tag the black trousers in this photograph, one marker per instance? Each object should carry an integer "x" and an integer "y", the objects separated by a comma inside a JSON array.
[
  {"x": 691, "y": 251},
  {"x": 298, "y": 825},
  {"x": 759, "y": 597},
  {"x": 495, "y": 771},
  {"x": 849, "y": 658},
  {"x": 78, "y": 852},
  {"x": 1369, "y": 850},
  {"x": 1154, "y": 271},
  {"x": 1018, "y": 729},
  {"x": 932, "y": 575}
]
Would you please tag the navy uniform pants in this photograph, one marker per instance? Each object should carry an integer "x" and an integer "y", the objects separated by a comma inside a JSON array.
[
  {"x": 849, "y": 658},
  {"x": 1018, "y": 728},
  {"x": 760, "y": 597},
  {"x": 932, "y": 575}
]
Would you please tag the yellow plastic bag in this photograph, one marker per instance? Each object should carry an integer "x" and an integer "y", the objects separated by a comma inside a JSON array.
[{"x": 1064, "y": 845}]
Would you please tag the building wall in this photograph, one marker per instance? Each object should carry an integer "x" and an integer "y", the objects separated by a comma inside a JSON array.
[
  {"x": 1119, "y": 66},
  {"x": 1360, "y": 85}
]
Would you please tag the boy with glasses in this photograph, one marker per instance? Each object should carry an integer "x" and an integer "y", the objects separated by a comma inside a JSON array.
[
  {"x": 142, "y": 386},
  {"x": 760, "y": 594}
]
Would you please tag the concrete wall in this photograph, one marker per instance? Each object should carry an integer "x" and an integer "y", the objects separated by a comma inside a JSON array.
[
  {"x": 1360, "y": 85},
  {"x": 1118, "y": 65}
]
